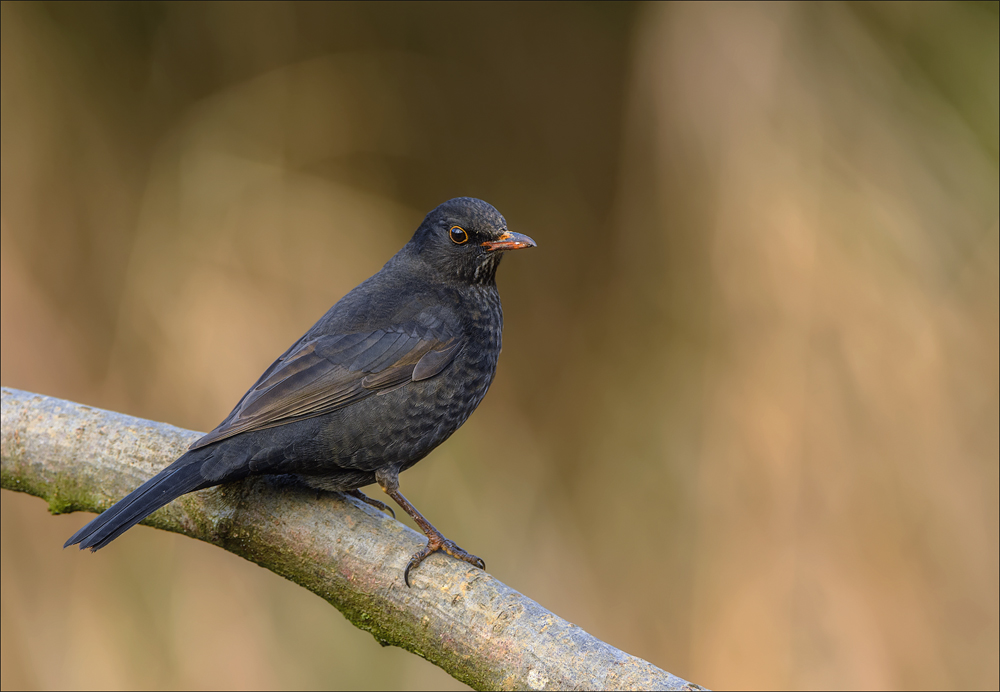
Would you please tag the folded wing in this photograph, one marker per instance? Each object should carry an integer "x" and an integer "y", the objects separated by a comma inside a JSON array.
[{"x": 323, "y": 374}]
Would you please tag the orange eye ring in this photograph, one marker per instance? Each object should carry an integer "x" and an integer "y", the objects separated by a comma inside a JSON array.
[{"x": 458, "y": 235}]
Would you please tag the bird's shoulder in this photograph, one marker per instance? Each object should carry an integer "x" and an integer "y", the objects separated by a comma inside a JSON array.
[{"x": 398, "y": 298}]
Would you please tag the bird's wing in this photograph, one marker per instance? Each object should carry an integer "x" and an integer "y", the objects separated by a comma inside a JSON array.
[{"x": 326, "y": 373}]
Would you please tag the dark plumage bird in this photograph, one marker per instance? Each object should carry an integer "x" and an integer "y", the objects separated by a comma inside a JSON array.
[{"x": 385, "y": 376}]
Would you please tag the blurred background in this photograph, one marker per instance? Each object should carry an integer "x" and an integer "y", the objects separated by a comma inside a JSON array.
[{"x": 750, "y": 372}]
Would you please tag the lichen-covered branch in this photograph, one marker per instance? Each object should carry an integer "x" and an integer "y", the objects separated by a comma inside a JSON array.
[{"x": 458, "y": 617}]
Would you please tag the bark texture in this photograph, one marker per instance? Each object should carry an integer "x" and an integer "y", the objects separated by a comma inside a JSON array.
[{"x": 479, "y": 630}]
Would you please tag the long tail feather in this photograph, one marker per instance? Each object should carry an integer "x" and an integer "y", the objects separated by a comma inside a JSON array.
[{"x": 182, "y": 476}]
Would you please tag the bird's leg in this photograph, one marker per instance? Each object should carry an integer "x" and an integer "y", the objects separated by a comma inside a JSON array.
[
  {"x": 377, "y": 504},
  {"x": 388, "y": 480}
]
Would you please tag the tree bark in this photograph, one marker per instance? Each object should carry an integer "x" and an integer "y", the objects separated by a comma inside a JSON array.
[{"x": 476, "y": 628}]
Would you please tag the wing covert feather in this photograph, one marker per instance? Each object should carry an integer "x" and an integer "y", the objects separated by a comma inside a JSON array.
[{"x": 323, "y": 374}]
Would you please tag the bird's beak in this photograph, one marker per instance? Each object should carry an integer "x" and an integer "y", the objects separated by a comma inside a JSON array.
[{"x": 509, "y": 241}]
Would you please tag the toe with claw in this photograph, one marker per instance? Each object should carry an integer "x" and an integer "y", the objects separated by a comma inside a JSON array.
[
  {"x": 377, "y": 504},
  {"x": 436, "y": 542}
]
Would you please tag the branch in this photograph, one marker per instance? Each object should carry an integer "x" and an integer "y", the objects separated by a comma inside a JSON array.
[{"x": 479, "y": 630}]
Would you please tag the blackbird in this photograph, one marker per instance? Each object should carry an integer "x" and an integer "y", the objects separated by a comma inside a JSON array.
[{"x": 384, "y": 377}]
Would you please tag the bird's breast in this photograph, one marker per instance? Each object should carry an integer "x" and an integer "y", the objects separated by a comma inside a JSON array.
[{"x": 465, "y": 383}]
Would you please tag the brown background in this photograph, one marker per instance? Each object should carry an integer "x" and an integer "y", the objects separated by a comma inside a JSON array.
[{"x": 746, "y": 420}]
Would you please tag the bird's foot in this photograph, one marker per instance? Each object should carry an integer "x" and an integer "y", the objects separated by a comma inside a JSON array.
[
  {"x": 389, "y": 481},
  {"x": 369, "y": 501},
  {"x": 436, "y": 542}
]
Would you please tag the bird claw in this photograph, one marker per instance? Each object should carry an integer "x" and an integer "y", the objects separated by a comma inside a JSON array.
[
  {"x": 377, "y": 504},
  {"x": 435, "y": 544}
]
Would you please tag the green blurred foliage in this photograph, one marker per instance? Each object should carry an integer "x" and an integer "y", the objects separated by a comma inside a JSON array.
[{"x": 746, "y": 420}]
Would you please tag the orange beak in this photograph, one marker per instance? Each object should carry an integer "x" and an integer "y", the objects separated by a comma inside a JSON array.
[{"x": 509, "y": 241}]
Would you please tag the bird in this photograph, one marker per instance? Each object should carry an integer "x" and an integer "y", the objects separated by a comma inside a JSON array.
[{"x": 385, "y": 376}]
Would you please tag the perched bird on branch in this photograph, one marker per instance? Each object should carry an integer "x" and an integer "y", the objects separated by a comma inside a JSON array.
[{"x": 384, "y": 377}]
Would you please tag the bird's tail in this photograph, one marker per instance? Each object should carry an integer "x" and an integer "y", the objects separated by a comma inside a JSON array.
[{"x": 182, "y": 476}]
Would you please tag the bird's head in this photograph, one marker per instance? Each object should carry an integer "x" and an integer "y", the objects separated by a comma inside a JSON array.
[{"x": 465, "y": 238}]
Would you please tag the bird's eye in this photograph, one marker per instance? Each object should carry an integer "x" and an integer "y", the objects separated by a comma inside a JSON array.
[{"x": 458, "y": 235}]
